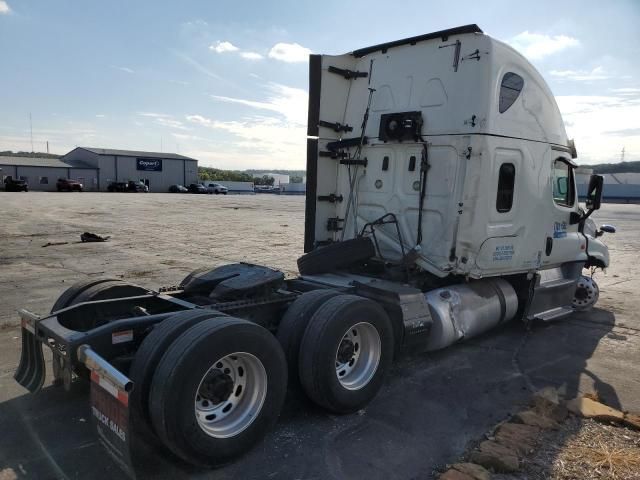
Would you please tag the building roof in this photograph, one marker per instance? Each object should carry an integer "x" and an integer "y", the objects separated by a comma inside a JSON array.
[
  {"x": 41, "y": 162},
  {"x": 134, "y": 153}
]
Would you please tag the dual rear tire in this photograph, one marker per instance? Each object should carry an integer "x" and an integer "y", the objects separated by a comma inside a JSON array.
[
  {"x": 339, "y": 347},
  {"x": 209, "y": 386}
]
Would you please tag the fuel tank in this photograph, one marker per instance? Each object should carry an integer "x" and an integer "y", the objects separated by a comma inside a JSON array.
[{"x": 467, "y": 310}]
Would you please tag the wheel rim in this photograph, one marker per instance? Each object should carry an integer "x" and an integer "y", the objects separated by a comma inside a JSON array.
[
  {"x": 587, "y": 293},
  {"x": 230, "y": 395},
  {"x": 358, "y": 356}
]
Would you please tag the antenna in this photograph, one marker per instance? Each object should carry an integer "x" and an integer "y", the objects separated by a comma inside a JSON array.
[{"x": 31, "y": 129}]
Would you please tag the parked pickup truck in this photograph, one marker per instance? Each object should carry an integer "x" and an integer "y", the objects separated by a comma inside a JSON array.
[
  {"x": 66, "y": 184},
  {"x": 216, "y": 188},
  {"x": 15, "y": 185},
  {"x": 441, "y": 202}
]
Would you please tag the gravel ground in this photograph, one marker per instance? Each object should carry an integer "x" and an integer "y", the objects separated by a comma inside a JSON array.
[{"x": 430, "y": 408}]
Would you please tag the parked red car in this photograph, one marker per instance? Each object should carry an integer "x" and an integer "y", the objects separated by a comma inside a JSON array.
[{"x": 69, "y": 185}]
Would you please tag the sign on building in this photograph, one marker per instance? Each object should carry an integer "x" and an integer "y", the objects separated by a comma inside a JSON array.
[{"x": 149, "y": 164}]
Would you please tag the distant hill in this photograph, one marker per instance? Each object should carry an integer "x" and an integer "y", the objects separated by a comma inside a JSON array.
[
  {"x": 215, "y": 174},
  {"x": 621, "y": 167},
  {"x": 9, "y": 153}
]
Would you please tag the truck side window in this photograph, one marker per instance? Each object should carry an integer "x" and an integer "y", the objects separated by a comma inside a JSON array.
[
  {"x": 506, "y": 181},
  {"x": 510, "y": 88},
  {"x": 563, "y": 189}
]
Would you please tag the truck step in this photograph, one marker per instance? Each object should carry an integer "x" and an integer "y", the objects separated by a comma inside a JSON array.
[{"x": 554, "y": 314}]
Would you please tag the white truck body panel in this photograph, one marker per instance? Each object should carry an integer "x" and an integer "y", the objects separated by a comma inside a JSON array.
[{"x": 455, "y": 82}]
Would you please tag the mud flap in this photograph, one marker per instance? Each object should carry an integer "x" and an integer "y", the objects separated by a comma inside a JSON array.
[
  {"x": 31, "y": 370},
  {"x": 110, "y": 413}
]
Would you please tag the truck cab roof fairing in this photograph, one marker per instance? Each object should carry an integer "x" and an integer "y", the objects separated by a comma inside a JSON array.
[{"x": 443, "y": 34}]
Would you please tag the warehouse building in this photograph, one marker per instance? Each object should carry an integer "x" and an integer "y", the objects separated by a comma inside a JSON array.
[
  {"x": 156, "y": 170},
  {"x": 42, "y": 173},
  {"x": 96, "y": 168}
]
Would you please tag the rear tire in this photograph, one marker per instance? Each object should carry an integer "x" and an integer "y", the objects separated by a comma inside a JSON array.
[
  {"x": 345, "y": 353},
  {"x": 147, "y": 357},
  {"x": 294, "y": 323},
  {"x": 65, "y": 299},
  {"x": 90, "y": 290},
  {"x": 336, "y": 255},
  {"x": 196, "y": 381},
  {"x": 109, "y": 290}
]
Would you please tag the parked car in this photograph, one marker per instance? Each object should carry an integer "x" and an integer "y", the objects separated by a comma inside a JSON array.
[
  {"x": 197, "y": 188},
  {"x": 13, "y": 185},
  {"x": 266, "y": 189},
  {"x": 68, "y": 185},
  {"x": 129, "y": 186},
  {"x": 215, "y": 188},
  {"x": 178, "y": 189}
]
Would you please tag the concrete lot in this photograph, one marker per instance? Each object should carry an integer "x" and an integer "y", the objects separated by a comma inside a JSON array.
[{"x": 430, "y": 408}]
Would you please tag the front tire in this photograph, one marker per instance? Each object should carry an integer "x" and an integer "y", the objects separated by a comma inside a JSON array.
[
  {"x": 217, "y": 390},
  {"x": 345, "y": 353},
  {"x": 586, "y": 295}
]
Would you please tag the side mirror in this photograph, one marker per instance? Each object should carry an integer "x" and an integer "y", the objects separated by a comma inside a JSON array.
[
  {"x": 608, "y": 228},
  {"x": 594, "y": 192}
]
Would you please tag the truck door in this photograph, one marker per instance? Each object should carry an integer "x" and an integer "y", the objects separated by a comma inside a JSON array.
[{"x": 563, "y": 242}]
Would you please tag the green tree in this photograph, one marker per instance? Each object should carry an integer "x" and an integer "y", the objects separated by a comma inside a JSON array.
[{"x": 264, "y": 180}]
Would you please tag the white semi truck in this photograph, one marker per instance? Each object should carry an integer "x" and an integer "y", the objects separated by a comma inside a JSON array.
[{"x": 441, "y": 202}]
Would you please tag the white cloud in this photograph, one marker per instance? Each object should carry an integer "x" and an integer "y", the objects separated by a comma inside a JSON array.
[
  {"x": 4, "y": 8},
  {"x": 122, "y": 69},
  {"x": 100, "y": 115},
  {"x": 223, "y": 47},
  {"x": 154, "y": 115},
  {"x": 602, "y": 125},
  {"x": 598, "y": 73},
  {"x": 536, "y": 46},
  {"x": 164, "y": 120},
  {"x": 288, "y": 101},
  {"x": 626, "y": 91},
  {"x": 198, "y": 66},
  {"x": 258, "y": 140},
  {"x": 289, "y": 52},
  {"x": 251, "y": 56}
]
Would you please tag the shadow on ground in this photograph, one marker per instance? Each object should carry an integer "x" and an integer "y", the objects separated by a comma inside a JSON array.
[{"x": 430, "y": 410}]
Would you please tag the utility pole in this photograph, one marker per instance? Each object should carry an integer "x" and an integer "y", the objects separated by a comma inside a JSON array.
[
  {"x": 31, "y": 129},
  {"x": 47, "y": 146},
  {"x": 622, "y": 155}
]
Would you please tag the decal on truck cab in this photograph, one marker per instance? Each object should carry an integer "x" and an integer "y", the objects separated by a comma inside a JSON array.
[
  {"x": 503, "y": 253},
  {"x": 559, "y": 229}
]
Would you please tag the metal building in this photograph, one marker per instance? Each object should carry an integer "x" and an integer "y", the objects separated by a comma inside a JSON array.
[
  {"x": 157, "y": 170},
  {"x": 42, "y": 173}
]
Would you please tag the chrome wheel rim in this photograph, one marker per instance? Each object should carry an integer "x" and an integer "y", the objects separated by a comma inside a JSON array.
[
  {"x": 358, "y": 356},
  {"x": 587, "y": 293},
  {"x": 230, "y": 395}
]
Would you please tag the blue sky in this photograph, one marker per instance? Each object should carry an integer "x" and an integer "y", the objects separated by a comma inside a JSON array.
[{"x": 226, "y": 82}]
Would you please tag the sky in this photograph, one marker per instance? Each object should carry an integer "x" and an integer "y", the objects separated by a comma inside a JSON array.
[{"x": 226, "y": 82}]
